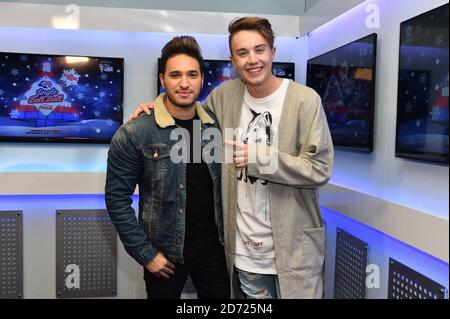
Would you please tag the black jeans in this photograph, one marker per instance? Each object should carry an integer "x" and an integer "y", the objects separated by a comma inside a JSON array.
[{"x": 204, "y": 262}]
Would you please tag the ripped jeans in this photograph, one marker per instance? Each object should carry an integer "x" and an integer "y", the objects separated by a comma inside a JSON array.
[{"x": 258, "y": 286}]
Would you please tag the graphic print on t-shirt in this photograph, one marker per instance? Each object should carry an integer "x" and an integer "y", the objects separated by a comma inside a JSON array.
[
  {"x": 260, "y": 118},
  {"x": 259, "y": 130}
]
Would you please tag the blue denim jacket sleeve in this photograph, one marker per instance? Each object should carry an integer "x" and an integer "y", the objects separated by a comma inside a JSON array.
[{"x": 123, "y": 172}]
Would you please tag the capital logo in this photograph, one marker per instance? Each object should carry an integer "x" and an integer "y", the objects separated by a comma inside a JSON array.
[{"x": 45, "y": 84}]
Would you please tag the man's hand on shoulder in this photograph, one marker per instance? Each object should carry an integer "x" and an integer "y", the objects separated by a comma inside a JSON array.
[{"x": 142, "y": 108}]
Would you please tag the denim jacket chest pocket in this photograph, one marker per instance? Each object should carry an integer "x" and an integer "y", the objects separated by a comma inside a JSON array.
[{"x": 156, "y": 160}]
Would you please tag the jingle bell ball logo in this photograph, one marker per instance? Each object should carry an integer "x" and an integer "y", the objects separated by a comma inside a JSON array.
[{"x": 45, "y": 95}]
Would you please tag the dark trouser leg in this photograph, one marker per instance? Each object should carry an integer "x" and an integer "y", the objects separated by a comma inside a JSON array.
[
  {"x": 171, "y": 288},
  {"x": 209, "y": 272}
]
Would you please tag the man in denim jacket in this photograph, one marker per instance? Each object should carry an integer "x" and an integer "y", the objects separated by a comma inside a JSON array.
[{"x": 179, "y": 232}]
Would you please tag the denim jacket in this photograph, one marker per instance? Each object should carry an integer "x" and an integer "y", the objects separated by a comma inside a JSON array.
[{"x": 140, "y": 155}]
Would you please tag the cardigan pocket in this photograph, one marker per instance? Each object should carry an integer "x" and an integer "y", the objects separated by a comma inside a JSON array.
[{"x": 313, "y": 242}]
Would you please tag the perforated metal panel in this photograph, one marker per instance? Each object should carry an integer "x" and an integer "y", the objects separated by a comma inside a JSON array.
[
  {"x": 406, "y": 283},
  {"x": 11, "y": 255},
  {"x": 350, "y": 267},
  {"x": 86, "y": 254}
]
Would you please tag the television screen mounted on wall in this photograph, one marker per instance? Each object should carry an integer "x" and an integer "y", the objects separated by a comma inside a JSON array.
[
  {"x": 345, "y": 80},
  {"x": 58, "y": 98},
  {"x": 422, "y": 102}
]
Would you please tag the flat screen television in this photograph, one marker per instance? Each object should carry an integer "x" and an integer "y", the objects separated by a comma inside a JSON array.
[
  {"x": 422, "y": 108},
  {"x": 218, "y": 71},
  {"x": 345, "y": 80},
  {"x": 58, "y": 98}
]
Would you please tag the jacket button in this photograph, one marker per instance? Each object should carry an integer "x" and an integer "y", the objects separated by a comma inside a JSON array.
[
  {"x": 181, "y": 211},
  {"x": 179, "y": 241},
  {"x": 181, "y": 186}
]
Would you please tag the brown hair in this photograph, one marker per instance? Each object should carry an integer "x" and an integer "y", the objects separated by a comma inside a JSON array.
[
  {"x": 261, "y": 25},
  {"x": 180, "y": 45}
]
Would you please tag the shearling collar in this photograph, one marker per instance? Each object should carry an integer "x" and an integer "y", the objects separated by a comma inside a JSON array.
[{"x": 164, "y": 119}]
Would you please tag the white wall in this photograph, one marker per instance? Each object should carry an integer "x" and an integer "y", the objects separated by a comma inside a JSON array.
[
  {"x": 319, "y": 12},
  {"x": 130, "y": 19},
  {"x": 403, "y": 195},
  {"x": 413, "y": 184},
  {"x": 140, "y": 51},
  {"x": 281, "y": 7},
  {"x": 417, "y": 185}
]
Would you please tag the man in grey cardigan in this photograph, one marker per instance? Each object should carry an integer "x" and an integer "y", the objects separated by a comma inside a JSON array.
[{"x": 274, "y": 234}]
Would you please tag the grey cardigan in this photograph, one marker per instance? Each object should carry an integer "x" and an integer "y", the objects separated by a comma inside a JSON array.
[{"x": 305, "y": 162}]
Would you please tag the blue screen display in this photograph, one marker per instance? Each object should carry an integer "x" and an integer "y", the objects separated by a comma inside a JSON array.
[
  {"x": 345, "y": 80},
  {"x": 60, "y": 98},
  {"x": 422, "y": 109}
]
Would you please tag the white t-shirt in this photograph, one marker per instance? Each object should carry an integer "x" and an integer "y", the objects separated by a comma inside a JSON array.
[{"x": 254, "y": 240}]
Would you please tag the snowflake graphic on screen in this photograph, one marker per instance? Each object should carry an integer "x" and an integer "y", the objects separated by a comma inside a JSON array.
[
  {"x": 363, "y": 52},
  {"x": 80, "y": 96},
  {"x": 14, "y": 72},
  {"x": 423, "y": 78},
  {"x": 419, "y": 29},
  {"x": 1, "y": 92},
  {"x": 408, "y": 107},
  {"x": 97, "y": 113},
  {"x": 102, "y": 94},
  {"x": 98, "y": 131},
  {"x": 23, "y": 58},
  {"x": 14, "y": 114},
  {"x": 70, "y": 77},
  {"x": 439, "y": 40},
  {"x": 409, "y": 31},
  {"x": 109, "y": 122}
]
